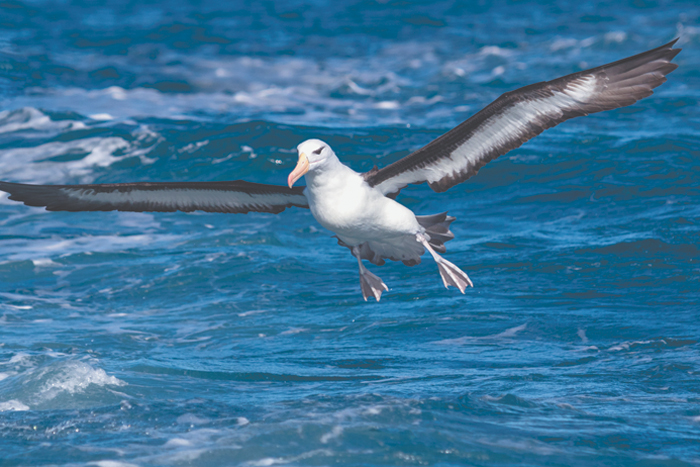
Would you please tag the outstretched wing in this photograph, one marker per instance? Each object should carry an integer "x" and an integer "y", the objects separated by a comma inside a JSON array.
[
  {"x": 231, "y": 197},
  {"x": 520, "y": 115}
]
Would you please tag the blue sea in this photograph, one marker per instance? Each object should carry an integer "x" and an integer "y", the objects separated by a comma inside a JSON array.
[{"x": 174, "y": 339}]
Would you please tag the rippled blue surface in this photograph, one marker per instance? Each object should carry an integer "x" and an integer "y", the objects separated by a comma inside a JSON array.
[{"x": 203, "y": 339}]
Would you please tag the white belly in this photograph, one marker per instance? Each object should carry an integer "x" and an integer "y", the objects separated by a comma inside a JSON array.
[{"x": 358, "y": 213}]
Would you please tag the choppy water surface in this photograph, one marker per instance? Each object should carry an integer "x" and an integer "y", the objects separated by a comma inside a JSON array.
[{"x": 209, "y": 339}]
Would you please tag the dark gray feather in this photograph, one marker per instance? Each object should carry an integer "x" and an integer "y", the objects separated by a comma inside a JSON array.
[{"x": 229, "y": 197}]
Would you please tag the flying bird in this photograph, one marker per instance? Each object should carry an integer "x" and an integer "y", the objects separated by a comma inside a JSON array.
[{"x": 360, "y": 208}]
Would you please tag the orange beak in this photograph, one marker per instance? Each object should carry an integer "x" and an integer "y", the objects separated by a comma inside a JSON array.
[{"x": 299, "y": 171}]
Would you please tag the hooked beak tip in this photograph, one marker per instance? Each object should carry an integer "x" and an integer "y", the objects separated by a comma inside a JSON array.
[{"x": 299, "y": 171}]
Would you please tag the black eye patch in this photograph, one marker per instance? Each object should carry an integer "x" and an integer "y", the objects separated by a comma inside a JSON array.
[{"x": 318, "y": 151}]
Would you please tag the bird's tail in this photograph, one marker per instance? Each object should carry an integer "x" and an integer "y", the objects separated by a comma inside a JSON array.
[{"x": 437, "y": 226}]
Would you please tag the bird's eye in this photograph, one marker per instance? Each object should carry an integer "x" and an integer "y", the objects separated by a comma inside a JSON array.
[{"x": 318, "y": 151}]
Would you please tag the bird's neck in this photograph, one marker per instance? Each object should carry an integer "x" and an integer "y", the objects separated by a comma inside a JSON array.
[{"x": 326, "y": 173}]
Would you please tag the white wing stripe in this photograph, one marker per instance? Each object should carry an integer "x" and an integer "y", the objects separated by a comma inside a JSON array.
[
  {"x": 500, "y": 128},
  {"x": 513, "y": 121},
  {"x": 583, "y": 89}
]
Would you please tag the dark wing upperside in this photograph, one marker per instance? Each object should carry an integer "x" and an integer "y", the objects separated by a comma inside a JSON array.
[
  {"x": 230, "y": 197},
  {"x": 517, "y": 116}
]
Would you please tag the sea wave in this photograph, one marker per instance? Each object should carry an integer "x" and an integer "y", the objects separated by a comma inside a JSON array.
[{"x": 51, "y": 383}]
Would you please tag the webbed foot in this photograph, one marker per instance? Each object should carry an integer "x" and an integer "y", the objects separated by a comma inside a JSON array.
[
  {"x": 450, "y": 274},
  {"x": 371, "y": 285}
]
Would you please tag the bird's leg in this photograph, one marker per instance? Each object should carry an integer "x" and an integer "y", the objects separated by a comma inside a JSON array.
[
  {"x": 369, "y": 283},
  {"x": 451, "y": 274}
]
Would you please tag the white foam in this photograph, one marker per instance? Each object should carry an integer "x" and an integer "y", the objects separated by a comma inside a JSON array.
[
  {"x": 347, "y": 90},
  {"x": 28, "y": 250},
  {"x": 116, "y": 93},
  {"x": 387, "y": 105},
  {"x": 563, "y": 43},
  {"x": 20, "y": 358},
  {"x": 293, "y": 331},
  {"x": 193, "y": 147},
  {"x": 43, "y": 262},
  {"x": 495, "y": 50},
  {"x": 188, "y": 446},
  {"x": 72, "y": 377},
  {"x": 582, "y": 334},
  {"x": 178, "y": 442},
  {"x": 334, "y": 433},
  {"x": 110, "y": 463},
  {"x": 615, "y": 36},
  {"x": 16, "y": 163},
  {"x": 267, "y": 461},
  {"x": 103, "y": 117},
  {"x": 13, "y": 406},
  {"x": 511, "y": 332},
  {"x": 34, "y": 164},
  {"x": 29, "y": 118},
  {"x": 627, "y": 345},
  {"x": 252, "y": 312}
]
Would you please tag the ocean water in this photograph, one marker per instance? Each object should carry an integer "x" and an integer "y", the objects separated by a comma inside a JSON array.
[{"x": 149, "y": 339}]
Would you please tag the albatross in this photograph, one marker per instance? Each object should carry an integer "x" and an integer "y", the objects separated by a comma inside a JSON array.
[{"x": 360, "y": 208}]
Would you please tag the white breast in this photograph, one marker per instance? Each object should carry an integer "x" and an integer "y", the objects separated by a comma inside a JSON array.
[{"x": 344, "y": 203}]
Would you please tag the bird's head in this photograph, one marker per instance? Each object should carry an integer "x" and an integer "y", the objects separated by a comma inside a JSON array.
[{"x": 312, "y": 154}]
